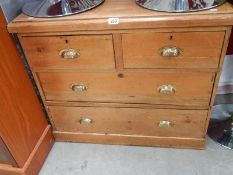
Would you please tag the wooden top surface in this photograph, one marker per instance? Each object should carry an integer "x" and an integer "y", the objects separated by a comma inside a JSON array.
[{"x": 127, "y": 11}]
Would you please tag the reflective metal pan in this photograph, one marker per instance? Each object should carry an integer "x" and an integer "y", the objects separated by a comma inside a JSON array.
[
  {"x": 179, "y": 5},
  {"x": 56, "y": 8}
]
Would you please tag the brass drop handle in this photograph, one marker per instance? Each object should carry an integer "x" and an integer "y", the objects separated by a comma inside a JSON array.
[
  {"x": 170, "y": 51},
  {"x": 79, "y": 87},
  {"x": 166, "y": 89},
  {"x": 69, "y": 54},
  {"x": 165, "y": 124},
  {"x": 86, "y": 121}
]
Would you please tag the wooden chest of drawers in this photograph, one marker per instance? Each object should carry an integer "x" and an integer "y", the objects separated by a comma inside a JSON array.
[{"x": 149, "y": 80}]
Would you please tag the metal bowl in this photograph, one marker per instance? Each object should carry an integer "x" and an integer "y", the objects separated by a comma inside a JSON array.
[
  {"x": 57, "y": 8},
  {"x": 221, "y": 123},
  {"x": 179, "y": 5}
]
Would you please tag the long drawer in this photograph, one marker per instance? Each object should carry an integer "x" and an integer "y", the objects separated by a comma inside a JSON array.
[
  {"x": 130, "y": 121},
  {"x": 172, "y": 88},
  {"x": 70, "y": 52},
  {"x": 172, "y": 50}
]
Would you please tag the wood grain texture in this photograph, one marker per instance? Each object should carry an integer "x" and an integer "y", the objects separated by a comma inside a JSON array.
[
  {"x": 22, "y": 121},
  {"x": 117, "y": 40},
  {"x": 124, "y": 105},
  {"x": 40, "y": 153},
  {"x": 192, "y": 88},
  {"x": 130, "y": 121},
  {"x": 175, "y": 142},
  {"x": 6, "y": 170},
  {"x": 36, "y": 158},
  {"x": 199, "y": 49},
  {"x": 123, "y": 77},
  {"x": 96, "y": 52},
  {"x": 131, "y": 16},
  {"x": 120, "y": 31}
]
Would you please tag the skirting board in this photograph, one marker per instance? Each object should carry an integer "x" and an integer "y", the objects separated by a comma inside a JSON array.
[
  {"x": 36, "y": 158},
  {"x": 175, "y": 142}
]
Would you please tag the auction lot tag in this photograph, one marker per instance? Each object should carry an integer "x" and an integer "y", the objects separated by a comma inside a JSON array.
[{"x": 113, "y": 21}]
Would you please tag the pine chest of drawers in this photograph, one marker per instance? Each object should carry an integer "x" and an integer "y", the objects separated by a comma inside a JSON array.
[{"x": 148, "y": 80}]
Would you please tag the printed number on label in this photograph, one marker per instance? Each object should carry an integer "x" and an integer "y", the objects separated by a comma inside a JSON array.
[{"x": 112, "y": 21}]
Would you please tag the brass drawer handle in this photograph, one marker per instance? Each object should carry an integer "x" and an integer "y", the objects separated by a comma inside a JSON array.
[
  {"x": 79, "y": 87},
  {"x": 170, "y": 51},
  {"x": 165, "y": 124},
  {"x": 86, "y": 121},
  {"x": 166, "y": 89},
  {"x": 69, "y": 53}
]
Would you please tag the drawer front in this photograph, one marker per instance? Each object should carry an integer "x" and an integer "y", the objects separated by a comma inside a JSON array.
[
  {"x": 130, "y": 121},
  {"x": 70, "y": 52},
  {"x": 173, "y": 88},
  {"x": 172, "y": 50}
]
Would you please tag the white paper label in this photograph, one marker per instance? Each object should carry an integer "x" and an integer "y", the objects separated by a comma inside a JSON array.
[
  {"x": 113, "y": 21},
  {"x": 214, "y": 10}
]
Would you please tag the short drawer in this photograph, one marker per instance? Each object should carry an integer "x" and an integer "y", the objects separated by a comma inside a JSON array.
[
  {"x": 173, "y": 88},
  {"x": 130, "y": 121},
  {"x": 70, "y": 52},
  {"x": 172, "y": 50}
]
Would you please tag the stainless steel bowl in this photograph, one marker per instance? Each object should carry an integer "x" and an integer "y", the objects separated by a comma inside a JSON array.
[
  {"x": 56, "y": 8},
  {"x": 221, "y": 123},
  {"x": 179, "y": 5}
]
